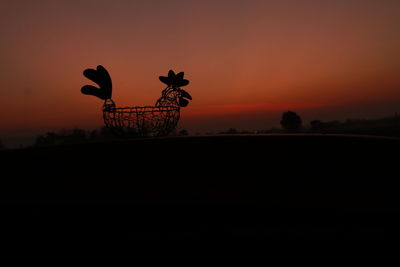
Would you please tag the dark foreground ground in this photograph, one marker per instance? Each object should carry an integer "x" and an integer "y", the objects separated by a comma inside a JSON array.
[{"x": 218, "y": 187}]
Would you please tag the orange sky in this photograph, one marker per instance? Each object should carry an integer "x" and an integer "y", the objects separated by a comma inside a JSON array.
[{"x": 248, "y": 61}]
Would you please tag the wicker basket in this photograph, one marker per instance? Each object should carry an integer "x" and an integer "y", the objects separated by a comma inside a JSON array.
[
  {"x": 140, "y": 121},
  {"x": 158, "y": 120}
]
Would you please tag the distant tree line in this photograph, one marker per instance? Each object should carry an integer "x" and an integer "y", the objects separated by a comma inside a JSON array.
[
  {"x": 235, "y": 131},
  {"x": 388, "y": 126},
  {"x": 318, "y": 126},
  {"x": 73, "y": 136},
  {"x": 291, "y": 122},
  {"x": 183, "y": 132},
  {"x": 77, "y": 136}
]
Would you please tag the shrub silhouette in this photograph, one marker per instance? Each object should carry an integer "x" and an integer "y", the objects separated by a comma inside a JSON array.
[
  {"x": 317, "y": 126},
  {"x": 291, "y": 122},
  {"x": 63, "y": 137},
  {"x": 74, "y": 136},
  {"x": 232, "y": 131},
  {"x": 183, "y": 132},
  {"x": 322, "y": 127},
  {"x": 50, "y": 138}
]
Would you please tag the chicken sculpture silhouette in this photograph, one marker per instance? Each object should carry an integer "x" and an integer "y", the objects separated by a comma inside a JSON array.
[{"x": 158, "y": 120}]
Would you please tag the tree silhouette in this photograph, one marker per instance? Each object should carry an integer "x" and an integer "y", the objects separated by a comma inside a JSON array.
[{"x": 291, "y": 122}]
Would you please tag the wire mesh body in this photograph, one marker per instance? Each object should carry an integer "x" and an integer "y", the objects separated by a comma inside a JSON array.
[
  {"x": 157, "y": 120},
  {"x": 140, "y": 121}
]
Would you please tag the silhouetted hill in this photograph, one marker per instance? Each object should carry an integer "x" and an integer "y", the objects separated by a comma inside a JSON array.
[{"x": 253, "y": 186}]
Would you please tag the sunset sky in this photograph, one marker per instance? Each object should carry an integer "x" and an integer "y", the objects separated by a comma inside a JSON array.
[{"x": 247, "y": 60}]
